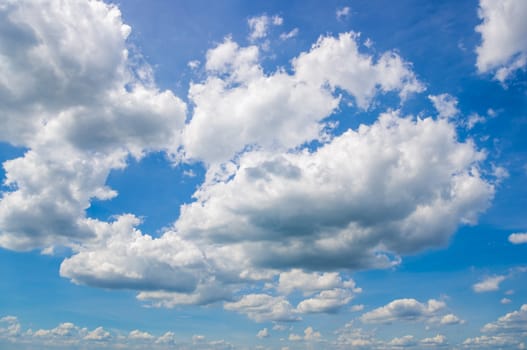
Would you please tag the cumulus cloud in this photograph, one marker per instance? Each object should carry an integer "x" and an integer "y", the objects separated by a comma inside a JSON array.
[
  {"x": 239, "y": 106},
  {"x": 489, "y": 284},
  {"x": 518, "y": 238},
  {"x": 395, "y": 187},
  {"x": 508, "y": 331},
  {"x": 327, "y": 301},
  {"x": 309, "y": 335},
  {"x": 259, "y": 25},
  {"x": 263, "y": 333},
  {"x": 343, "y": 12},
  {"x": 451, "y": 319},
  {"x": 269, "y": 210},
  {"x": 404, "y": 310},
  {"x": 68, "y": 335},
  {"x": 503, "y": 49},
  {"x": 445, "y": 104},
  {"x": 310, "y": 282},
  {"x": 80, "y": 105},
  {"x": 263, "y": 307}
]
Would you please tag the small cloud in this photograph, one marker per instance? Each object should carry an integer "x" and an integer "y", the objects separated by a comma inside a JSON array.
[
  {"x": 193, "y": 64},
  {"x": 489, "y": 284},
  {"x": 368, "y": 43},
  {"x": 343, "y": 12},
  {"x": 451, "y": 319},
  {"x": 505, "y": 301},
  {"x": 263, "y": 333},
  {"x": 289, "y": 35},
  {"x": 259, "y": 25},
  {"x": 445, "y": 105},
  {"x": 356, "y": 308},
  {"x": 474, "y": 119},
  {"x": 518, "y": 238}
]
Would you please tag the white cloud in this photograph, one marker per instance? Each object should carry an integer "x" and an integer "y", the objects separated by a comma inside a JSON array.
[
  {"x": 140, "y": 335},
  {"x": 513, "y": 322},
  {"x": 403, "y": 342},
  {"x": 9, "y": 327},
  {"x": 309, "y": 335},
  {"x": 297, "y": 279},
  {"x": 437, "y": 340},
  {"x": 489, "y": 284},
  {"x": 508, "y": 331},
  {"x": 474, "y": 119},
  {"x": 404, "y": 310},
  {"x": 82, "y": 104},
  {"x": 333, "y": 208},
  {"x": 505, "y": 301},
  {"x": 259, "y": 25},
  {"x": 263, "y": 333},
  {"x": 343, "y": 12},
  {"x": 338, "y": 62},
  {"x": 289, "y": 35},
  {"x": 504, "y": 37},
  {"x": 263, "y": 307},
  {"x": 445, "y": 104},
  {"x": 518, "y": 238},
  {"x": 327, "y": 301},
  {"x": 98, "y": 334},
  {"x": 451, "y": 319},
  {"x": 239, "y": 107}
]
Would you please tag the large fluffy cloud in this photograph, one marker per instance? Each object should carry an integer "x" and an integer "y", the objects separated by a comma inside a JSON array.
[
  {"x": 504, "y": 37},
  {"x": 404, "y": 310},
  {"x": 73, "y": 95},
  {"x": 270, "y": 213},
  {"x": 240, "y": 106},
  {"x": 395, "y": 187}
]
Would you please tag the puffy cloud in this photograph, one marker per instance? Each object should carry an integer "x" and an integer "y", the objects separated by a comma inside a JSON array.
[
  {"x": 504, "y": 37},
  {"x": 309, "y": 335},
  {"x": 518, "y": 238},
  {"x": 9, "y": 327},
  {"x": 290, "y": 34},
  {"x": 98, "y": 334},
  {"x": 445, "y": 104},
  {"x": 239, "y": 106},
  {"x": 513, "y": 322},
  {"x": 263, "y": 307},
  {"x": 437, "y": 340},
  {"x": 395, "y": 187},
  {"x": 489, "y": 284},
  {"x": 507, "y": 332},
  {"x": 343, "y": 12},
  {"x": 338, "y": 62},
  {"x": 404, "y": 310},
  {"x": 259, "y": 25},
  {"x": 451, "y": 319},
  {"x": 263, "y": 333},
  {"x": 123, "y": 257},
  {"x": 326, "y": 301},
  {"x": 80, "y": 103},
  {"x": 403, "y": 342},
  {"x": 297, "y": 279},
  {"x": 140, "y": 335}
]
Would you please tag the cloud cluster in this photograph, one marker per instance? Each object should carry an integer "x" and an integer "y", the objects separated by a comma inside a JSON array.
[
  {"x": 489, "y": 284},
  {"x": 69, "y": 335},
  {"x": 509, "y": 331},
  {"x": 78, "y": 100},
  {"x": 503, "y": 49},
  {"x": 272, "y": 210}
]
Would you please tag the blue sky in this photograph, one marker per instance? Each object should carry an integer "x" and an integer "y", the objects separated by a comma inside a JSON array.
[{"x": 263, "y": 175}]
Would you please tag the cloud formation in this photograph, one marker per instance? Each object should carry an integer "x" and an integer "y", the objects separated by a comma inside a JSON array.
[{"x": 503, "y": 48}]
